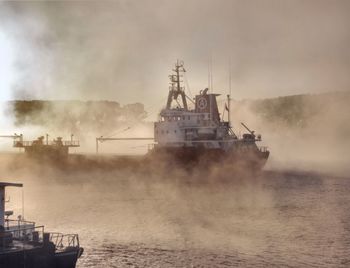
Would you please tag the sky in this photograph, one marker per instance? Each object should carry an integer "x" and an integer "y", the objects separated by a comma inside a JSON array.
[{"x": 125, "y": 50}]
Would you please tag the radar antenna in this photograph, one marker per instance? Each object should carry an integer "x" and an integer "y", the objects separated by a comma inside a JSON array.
[{"x": 175, "y": 86}]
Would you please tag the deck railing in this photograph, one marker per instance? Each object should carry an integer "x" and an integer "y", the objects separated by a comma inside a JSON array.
[
  {"x": 21, "y": 235},
  {"x": 63, "y": 241},
  {"x": 17, "y": 224},
  {"x": 20, "y": 238},
  {"x": 67, "y": 143},
  {"x": 263, "y": 149}
]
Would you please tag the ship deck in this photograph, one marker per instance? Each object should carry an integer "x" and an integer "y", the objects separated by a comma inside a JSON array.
[{"x": 18, "y": 245}]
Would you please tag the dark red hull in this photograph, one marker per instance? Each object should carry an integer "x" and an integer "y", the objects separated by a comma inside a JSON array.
[{"x": 254, "y": 159}]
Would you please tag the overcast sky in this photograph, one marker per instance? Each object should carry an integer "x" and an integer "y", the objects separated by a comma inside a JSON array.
[{"x": 124, "y": 50}]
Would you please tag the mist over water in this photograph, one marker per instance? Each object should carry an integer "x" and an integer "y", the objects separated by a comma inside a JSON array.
[
  {"x": 175, "y": 218},
  {"x": 295, "y": 213}
]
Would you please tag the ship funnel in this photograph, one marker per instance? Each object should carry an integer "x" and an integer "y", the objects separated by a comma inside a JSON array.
[{"x": 206, "y": 103}]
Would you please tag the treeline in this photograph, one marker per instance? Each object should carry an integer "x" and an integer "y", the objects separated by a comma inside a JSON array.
[
  {"x": 75, "y": 116},
  {"x": 300, "y": 110}
]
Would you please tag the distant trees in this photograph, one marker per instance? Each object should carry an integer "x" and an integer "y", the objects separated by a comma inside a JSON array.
[
  {"x": 288, "y": 110},
  {"x": 296, "y": 111},
  {"x": 300, "y": 110},
  {"x": 76, "y": 116}
]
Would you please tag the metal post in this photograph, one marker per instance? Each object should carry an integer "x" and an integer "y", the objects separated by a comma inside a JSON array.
[
  {"x": 229, "y": 110},
  {"x": 2, "y": 207},
  {"x": 102, "y": 139},
  {"x": 229, "y": 94},
  {"x": 2, "y": 200},
  {"x": 96, "y": 145}
]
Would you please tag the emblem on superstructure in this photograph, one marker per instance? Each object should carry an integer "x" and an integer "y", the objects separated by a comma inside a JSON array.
[{"x": 202, "y": 103}]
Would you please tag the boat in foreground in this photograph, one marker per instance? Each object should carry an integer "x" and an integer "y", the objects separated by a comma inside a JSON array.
[{"x": 24, "y": 244}]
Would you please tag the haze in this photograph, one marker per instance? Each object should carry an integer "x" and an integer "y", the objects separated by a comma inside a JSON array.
[
  {"x": 124, "y": 50},
  {"x": 135, "y": 211}
]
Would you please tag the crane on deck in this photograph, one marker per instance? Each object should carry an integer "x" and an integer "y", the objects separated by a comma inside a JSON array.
[
  {"x": 102, "y": 139},
  {"x": 17, "y": 138}
]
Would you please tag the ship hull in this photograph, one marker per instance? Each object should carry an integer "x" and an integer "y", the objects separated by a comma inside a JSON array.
[
  {"x": 252, "y": 160},
  {"x": 40, "y": 258}
]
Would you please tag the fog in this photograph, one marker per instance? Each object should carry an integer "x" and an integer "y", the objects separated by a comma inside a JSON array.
[
  {"x": 307, "y": 132},
  {"x": 125, "y": 209},
  {"x": 155, "y": 205},
  {"x": 148, "y": 213},
  {"x": 123, "y": 50},
  {"x": 169, "y": 216}
]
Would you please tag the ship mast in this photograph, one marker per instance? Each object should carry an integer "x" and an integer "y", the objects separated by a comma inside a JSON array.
[
  {"x": 2, "y": 201},
  {"x": 229, "y": 96},
  {"x": 175, "y": 86}
]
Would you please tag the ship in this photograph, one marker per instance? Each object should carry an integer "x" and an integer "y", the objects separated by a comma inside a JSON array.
[
  {"x": 200, "y": 134},
  {"x": 56, "y": 149},
  {"x": 24, "y": 244}
]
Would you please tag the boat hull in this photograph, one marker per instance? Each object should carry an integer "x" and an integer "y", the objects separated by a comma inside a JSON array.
[
  {"x": 40, "y": 258},
  {"x": 250, "y": 159}
]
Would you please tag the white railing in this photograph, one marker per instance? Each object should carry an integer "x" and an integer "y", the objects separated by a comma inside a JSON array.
[{"x": 64, "y": 241}]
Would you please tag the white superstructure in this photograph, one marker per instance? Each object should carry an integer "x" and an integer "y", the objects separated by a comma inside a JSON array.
[{"x": 179, "y": 126}]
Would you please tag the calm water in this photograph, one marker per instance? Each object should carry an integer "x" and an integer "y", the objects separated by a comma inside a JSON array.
[{"x": 126, "y": 220}]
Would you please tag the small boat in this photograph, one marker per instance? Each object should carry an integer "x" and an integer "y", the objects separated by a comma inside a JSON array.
[{"x": 24, "y": 244}]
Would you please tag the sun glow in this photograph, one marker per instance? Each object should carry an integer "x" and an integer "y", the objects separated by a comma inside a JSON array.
[{"x": 6, "y": 67}]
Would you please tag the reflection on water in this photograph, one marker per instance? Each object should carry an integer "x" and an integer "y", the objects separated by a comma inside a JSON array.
[{"x": 127, "y": 220}]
